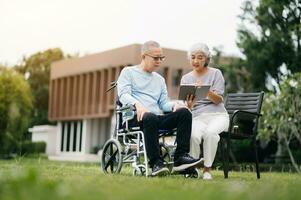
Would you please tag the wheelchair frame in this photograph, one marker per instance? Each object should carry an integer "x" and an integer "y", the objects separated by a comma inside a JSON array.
[{"x": 127, "y": 145}]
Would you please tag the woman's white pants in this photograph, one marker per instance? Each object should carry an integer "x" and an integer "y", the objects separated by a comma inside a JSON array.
[{"x": 207, "y": 127}]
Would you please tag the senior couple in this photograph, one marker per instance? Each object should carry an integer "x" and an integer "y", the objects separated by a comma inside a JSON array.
[{"x": 195, "y": 120}]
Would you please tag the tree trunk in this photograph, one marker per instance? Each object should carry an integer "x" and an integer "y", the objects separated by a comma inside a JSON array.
[
  {"x": 291, "y": 155},
  {"x": 279, "y": 152}
]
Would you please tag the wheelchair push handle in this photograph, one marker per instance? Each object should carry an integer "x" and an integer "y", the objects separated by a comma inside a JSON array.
[{"x": 113, "y": 84}]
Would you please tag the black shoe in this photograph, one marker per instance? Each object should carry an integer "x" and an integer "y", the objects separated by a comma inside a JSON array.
[
  {"x": 186, "y": 161},
  {"x": 159, "y": 169}
]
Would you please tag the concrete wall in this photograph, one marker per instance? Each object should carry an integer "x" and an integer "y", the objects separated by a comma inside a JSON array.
[{"x": 46, "y": 134}]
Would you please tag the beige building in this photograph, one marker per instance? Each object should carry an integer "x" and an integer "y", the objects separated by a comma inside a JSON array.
[{"x": 78, "y": 100}]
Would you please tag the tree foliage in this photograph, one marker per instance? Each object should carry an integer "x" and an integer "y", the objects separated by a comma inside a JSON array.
[
  {"x": 15, "y": 110},
  {"x": 270, "y": 37},
  {"x": 281, "y": 117},
  {"x": 237, "y": 77},
  {"x": 36, "y": 69}
]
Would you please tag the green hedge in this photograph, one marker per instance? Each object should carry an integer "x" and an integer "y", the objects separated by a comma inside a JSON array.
[{"x": 29, "y": 147}]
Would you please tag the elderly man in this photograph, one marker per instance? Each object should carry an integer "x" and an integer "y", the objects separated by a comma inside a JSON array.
[{"x": 142, "y": 87}]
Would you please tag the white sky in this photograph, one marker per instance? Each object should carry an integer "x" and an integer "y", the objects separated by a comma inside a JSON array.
[{"x": 92, "y": 26}]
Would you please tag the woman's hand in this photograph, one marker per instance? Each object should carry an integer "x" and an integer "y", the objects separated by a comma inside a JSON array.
[
  {"x": 215, "y": 98},
  {"x": 190, "y": 100}
]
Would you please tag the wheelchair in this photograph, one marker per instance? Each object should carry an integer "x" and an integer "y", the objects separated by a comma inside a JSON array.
[{"x": 126, "y": 146}]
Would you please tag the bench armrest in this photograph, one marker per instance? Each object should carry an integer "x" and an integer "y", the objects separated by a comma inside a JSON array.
[{"x": 236, "y": 112}]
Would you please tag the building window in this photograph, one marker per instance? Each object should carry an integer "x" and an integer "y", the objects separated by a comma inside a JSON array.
[
  {"x": 176, "y": 77},
  {"x": 71, "y": 140}
]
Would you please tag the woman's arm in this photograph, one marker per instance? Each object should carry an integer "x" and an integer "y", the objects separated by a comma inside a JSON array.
[
  {"x": 215, "y": 98},
  {"x": 217, "y": 89}
]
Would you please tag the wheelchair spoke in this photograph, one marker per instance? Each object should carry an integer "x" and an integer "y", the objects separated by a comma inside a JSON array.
[
  {"x": 111, "y": 149},
  {"x": 111, "y": 161}
]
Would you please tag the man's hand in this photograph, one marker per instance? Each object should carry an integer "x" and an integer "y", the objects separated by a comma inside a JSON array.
[
  {"x": 141, "y": 110},
  {"x": 178, "y": 106}
]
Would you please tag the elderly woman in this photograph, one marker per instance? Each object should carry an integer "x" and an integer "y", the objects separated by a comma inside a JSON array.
[{"x": 210, "y": 117}]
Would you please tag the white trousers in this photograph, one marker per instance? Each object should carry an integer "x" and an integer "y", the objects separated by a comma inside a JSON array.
[{"x": 207, "y": 127}]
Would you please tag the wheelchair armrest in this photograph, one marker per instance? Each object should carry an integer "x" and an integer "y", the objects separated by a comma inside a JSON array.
[
  {"x": 128, "y": 112},
  {"x": 128, "y": 107}
]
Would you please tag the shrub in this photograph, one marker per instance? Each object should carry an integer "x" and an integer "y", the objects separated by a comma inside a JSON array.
[
  {"x": 15, "y": 110},
  {"x": 29, "y": 147}
]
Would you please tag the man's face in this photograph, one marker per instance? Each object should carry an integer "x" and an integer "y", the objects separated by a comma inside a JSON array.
[{"x": 153, "y": 59}]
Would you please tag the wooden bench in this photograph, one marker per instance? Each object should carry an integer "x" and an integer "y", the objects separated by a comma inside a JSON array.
[{"x": 244, "y": 111}]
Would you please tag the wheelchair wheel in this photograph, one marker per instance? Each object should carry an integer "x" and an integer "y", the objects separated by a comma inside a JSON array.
[
  {"x": 192, "y": 173},
  {"x": 139, "y": 171},
  {"x": 165, "y": 153},
  {"x": 111, "y": 158}
]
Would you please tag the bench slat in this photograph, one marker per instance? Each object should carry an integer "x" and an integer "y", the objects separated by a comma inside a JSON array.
[
  {"x": 243, "y": 103},
  {"x": 244, "y": 94},
  {"x": 241, "y": 107},
  {"x": 242, "y": 98}
]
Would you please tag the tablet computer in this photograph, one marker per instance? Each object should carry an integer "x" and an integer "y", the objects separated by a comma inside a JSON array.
[{"x": 200, "y": 92}]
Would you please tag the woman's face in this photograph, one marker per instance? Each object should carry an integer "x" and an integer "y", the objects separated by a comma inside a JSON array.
[{"x": 198, "y": 60}]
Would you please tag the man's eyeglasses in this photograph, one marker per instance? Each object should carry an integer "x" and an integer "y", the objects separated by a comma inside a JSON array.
[{"x": 156, "y": 58}]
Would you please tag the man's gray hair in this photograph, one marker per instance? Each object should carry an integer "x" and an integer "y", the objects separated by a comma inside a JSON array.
[
  {"x": 147, "y": 46},
  {"x": 199, "y": 48}
]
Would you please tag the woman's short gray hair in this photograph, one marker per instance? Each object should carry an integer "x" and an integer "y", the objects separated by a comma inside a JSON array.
[
  {"x": 199, "y": 48},
  {"x": 147, "y": 46}
]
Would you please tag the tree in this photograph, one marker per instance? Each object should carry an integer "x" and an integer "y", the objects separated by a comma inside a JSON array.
[
  {"x": 36, "y": 68},
  {"x": 15, "y": 110},
  {"x": 274, "y": 40},
  {"x": 237, "y": 77},
  {"x": 281, "y": 118}
]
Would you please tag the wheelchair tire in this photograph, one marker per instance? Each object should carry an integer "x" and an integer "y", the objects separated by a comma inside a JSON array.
[
  {"x": 165, "y": 153},
  {"x": 192, "y": 173},
  {"x": 139, "y": 171},
  {"x": 111, "y": 157}
]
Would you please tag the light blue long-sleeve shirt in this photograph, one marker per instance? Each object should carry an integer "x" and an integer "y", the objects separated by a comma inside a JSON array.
[{"x": 135, "y": 85}]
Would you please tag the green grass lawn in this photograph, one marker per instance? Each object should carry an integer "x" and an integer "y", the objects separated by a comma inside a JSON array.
[{"x": 42, "y": 179}]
